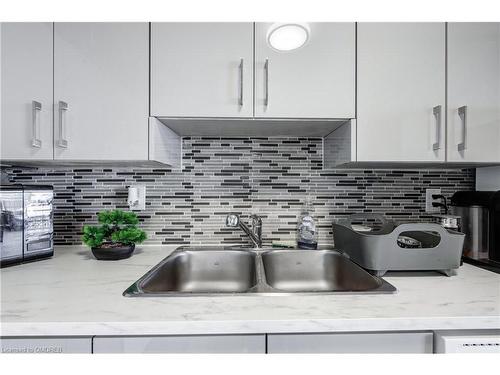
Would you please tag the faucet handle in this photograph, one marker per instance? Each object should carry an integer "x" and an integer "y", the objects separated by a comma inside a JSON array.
[{"x": 232, "y": 220}]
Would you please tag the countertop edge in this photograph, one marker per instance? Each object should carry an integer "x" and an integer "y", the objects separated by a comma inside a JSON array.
[{"x": 226, "y": 327}]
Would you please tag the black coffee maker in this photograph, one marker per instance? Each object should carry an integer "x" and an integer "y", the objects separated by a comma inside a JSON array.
[{"x": 480, "y": 221}]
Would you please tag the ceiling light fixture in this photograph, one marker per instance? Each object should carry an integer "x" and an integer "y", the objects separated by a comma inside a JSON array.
[{"x": 288, "y": 36}]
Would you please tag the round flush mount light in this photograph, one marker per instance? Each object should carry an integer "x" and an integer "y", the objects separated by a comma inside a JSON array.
[{"x": 288, "y": 36}]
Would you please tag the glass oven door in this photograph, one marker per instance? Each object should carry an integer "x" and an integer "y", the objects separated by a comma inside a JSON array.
[
  {"x": 38, "y": 223},
  {"x": 11, "y": 226}
]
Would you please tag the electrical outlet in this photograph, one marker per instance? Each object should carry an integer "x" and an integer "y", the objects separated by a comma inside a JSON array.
[
  {"x": 428, "y": 200},
  {"x": 137, "y": 197}
]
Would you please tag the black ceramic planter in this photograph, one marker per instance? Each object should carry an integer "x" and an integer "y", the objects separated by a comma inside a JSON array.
[{"x": 113, "y": 253}]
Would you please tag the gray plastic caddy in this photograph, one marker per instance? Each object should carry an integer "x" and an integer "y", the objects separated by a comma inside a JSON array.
[{"x": 379, "y": 251}]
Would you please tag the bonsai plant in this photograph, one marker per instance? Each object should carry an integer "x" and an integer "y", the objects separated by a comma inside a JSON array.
[{"x": 115, "y": 237}]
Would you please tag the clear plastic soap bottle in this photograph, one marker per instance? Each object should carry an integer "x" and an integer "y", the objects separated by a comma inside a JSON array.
[{"x": 307, "y": 234}]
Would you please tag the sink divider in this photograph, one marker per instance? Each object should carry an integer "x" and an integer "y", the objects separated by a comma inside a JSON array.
[{"x": 261, "y": 285}]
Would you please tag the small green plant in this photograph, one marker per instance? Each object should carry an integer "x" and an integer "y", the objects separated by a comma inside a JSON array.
[{"x": 117, "y": 228}]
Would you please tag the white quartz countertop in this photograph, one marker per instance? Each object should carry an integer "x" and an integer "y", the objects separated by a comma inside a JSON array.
[{"x": 74, "y": 294}]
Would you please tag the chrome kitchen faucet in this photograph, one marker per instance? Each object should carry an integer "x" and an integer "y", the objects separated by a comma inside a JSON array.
[{"x": 255, "y": 233}]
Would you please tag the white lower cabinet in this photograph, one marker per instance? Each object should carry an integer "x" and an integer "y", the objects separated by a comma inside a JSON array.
[
  {"x": 181, "y": 344},
  {"x": 473, "y": 341},
  {"x": 397, "y": 342},
  {"x": 45, "y": 345}
]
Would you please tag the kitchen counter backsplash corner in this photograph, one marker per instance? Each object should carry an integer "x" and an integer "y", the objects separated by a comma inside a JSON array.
[{"x": 267, "y": 176}]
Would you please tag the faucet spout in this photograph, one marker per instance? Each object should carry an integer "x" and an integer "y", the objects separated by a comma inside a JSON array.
[{"x": 257, "y": 229}]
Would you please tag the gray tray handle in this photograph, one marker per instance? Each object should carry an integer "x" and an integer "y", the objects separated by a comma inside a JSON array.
[
  {"x": 421, "y": 227},
  {"x": 386, "y": 224}
]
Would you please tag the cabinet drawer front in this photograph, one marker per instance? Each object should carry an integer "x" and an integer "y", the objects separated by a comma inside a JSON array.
[
  {"x": 45, "y": 345},
  {"x": 420, "y": 342},
  {"x": 181, "y": 344}
]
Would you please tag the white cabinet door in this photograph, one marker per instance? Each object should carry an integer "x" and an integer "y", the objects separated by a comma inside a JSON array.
[
  {"x": 415, "y": 342},
  {"x": 101, "y": 74},
  {"x": 401, "y": 92},
  {"x": 202, "y": 69},
  {"x": 474, "y": 92},
  {"x": 26, "y": 91},
  {"x": 316, "y": 80},
  {"x": 46, "y": 345},
  {"x": 181, "y": 344}
]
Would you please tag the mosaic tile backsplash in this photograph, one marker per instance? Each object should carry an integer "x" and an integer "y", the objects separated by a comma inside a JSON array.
[{"x": 267, "y": 176}]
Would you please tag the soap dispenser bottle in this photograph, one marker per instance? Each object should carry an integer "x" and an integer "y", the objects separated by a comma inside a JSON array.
[{"x": 307, "y": 234}]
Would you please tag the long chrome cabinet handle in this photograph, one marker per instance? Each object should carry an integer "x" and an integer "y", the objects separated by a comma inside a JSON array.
[
  {"x": 36, "y": 112},
  {"x": 436, "y": 111},
  {"x": 462, "y": 113},
  {"x": 240, "y": 93},
  {"x": 62, "y": 142},
  {"x": 266, "y": 78}
]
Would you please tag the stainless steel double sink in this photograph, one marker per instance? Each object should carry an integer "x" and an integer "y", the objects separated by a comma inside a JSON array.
[{"x": 204, "y": 271}]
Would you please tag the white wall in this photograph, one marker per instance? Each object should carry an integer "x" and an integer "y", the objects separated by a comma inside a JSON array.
[{"x": 488, "y": 178}]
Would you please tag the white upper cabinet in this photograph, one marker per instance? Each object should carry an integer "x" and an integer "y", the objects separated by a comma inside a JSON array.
[
  {"x": 26, "y": 91},
  {"x": 316, "y": 80},
  {"x": 202, "y": 69},
  {"x": 101, "y": 91},
  {"x": 401, "y": 92},
  {"x": 474, "y": 92}
]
